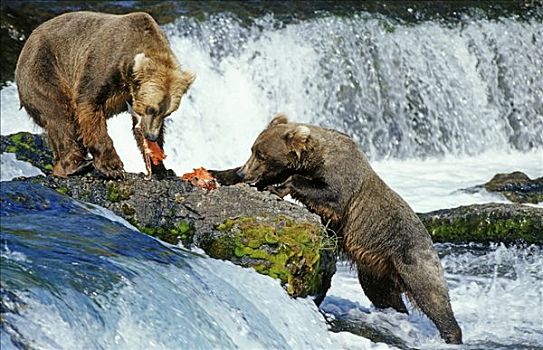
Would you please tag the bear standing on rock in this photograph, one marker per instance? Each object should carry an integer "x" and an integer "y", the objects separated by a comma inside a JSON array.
[
  {"x": 80, "y": 68},
  {"x": 325, "y": 170}
]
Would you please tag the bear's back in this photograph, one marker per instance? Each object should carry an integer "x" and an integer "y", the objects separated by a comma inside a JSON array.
[
  {"x": 102, "y": 32},
  {"x": 81, "y": 45}
]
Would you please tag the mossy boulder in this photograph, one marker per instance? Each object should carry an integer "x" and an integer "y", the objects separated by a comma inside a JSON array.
[
  {"x": 30, "y": 148},
  {"x": 486, "y": 223},
  {"x": 277, "y": 246}
]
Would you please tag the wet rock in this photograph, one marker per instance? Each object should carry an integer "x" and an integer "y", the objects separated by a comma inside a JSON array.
[
  {"x": 517, "y": 187},
  {"x": 367, "y": 330},
  {"x": 30, "y": 148},
  {"x": 237, "y": 223},
  {"x": 486, "y": 223}
]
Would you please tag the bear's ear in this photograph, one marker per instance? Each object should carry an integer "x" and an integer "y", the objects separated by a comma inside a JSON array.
[
  {"x": 187, "y": 78},
  {"x": 297, "y": 138},
  {"x": 141, "y": 62},
  {"x": 181, "y": 81},
  {"x": 279, "y": 118}
]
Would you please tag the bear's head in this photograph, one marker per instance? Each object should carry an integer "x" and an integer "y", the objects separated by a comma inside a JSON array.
[
  {"x": 277, "y": 152},
  {"x": 158, "y": 86}
]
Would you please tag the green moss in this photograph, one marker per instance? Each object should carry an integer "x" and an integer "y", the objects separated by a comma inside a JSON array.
[
  {"x": 117, "y": 193},
  {"x": 29, "y": 148},
  {"x": 17, "y": 138},
  {"x": 280, "y": 248},
  {"x": 182, "y": 231},
  {"x": 470, "y": 229},
  {"x": 128, "y": 210},
  {"x": 388, "y": 27},
  {"x": 62, "y": 190}
]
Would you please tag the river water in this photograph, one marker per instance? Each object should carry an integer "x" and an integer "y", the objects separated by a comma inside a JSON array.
[{"x": 437, "y": 106}]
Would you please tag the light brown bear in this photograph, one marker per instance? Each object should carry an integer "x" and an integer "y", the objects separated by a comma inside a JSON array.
[
  {"x": 325, "y": 170},
  {"x": 78, "y": 69}
]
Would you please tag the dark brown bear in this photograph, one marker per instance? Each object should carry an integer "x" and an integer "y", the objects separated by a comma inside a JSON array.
[
  {"x": 80, "y": 68},
  {"x": 393, "y": 252}
]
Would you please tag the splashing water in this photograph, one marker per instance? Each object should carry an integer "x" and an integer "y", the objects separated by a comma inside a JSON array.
[
  {"x": 437, "y": 106},
  {"x": 496, "y": 294}
]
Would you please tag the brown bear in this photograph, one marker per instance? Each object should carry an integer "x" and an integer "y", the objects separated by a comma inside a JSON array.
[
  {"x": 325, "y": 170},
  {"x": 80, "y": 68}
]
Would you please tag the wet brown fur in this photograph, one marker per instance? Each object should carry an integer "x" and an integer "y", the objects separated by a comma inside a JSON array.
[
  {"x": 393, "y": 252},
  {"x": 78, "y": 69}
]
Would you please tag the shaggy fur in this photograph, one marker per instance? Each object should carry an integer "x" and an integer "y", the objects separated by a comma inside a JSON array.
[
  {"x": 393, "y": 252},
  {"x": 80, "y": 68}
]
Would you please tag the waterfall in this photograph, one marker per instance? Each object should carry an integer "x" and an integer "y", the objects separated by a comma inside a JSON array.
[{"x": 402, "y": 90}]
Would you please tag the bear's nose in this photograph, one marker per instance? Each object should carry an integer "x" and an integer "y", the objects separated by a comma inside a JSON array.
[
  {"x": 151, "y": 137},
  {"x": 240, "y": 173}
]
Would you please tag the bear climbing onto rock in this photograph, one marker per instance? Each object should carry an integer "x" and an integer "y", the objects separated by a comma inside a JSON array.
[
  {"x": 325, "y": 170},
  {"x": 78, "y": 69}
]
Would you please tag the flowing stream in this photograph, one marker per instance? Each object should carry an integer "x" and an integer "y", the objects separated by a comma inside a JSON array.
[{"x": 436, "y": 105}]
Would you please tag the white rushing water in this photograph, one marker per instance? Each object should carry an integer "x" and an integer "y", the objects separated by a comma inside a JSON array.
[
  {"x": 497, "y": 297},
  {"x": 437, "y": 108}
]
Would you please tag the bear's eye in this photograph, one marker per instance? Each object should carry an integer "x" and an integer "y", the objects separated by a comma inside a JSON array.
[
  {"x": 150, "y": 110},
  {"x": 259, "y": 155}
]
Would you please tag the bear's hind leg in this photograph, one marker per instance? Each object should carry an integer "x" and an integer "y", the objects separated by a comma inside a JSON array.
[
  {"x": 427, "y": 287},
  {"x": 382, "y": 291}
]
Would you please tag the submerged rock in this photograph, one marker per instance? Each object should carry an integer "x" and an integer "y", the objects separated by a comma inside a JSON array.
[
  {"x": 517, "y": 187},
  {"x": 367, "y": 330},
  {"x": 485, "y": 223}
]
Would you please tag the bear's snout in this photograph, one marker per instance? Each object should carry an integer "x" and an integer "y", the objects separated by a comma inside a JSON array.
[
  {"x": 151, "y": 136},
  {"x": 240, "y": 173}
]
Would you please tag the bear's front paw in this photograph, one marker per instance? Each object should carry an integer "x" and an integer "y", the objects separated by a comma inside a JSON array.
[
  {"x": 111, "y": 168},
  {"x": 160, "y": 172},
  {"x": 280, "y": 191}
]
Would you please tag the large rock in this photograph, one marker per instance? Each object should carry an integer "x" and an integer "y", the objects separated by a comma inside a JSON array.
[
  {"x": 237, "y": 223},
  {"x": 485, "y": 223}
]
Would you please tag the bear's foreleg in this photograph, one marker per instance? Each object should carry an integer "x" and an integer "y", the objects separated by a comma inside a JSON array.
[
  {"x": 315, "y": 194},
  {"x": 93, "y": 129}
]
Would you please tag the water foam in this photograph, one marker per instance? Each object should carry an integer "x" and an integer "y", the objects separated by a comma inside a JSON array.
[
  {"x": 496, "y": 294},
  {"x": 11, "y": 168}
]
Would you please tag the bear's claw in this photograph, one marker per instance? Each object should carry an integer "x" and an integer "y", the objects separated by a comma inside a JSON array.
[{"x": 118, "y": 174}]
